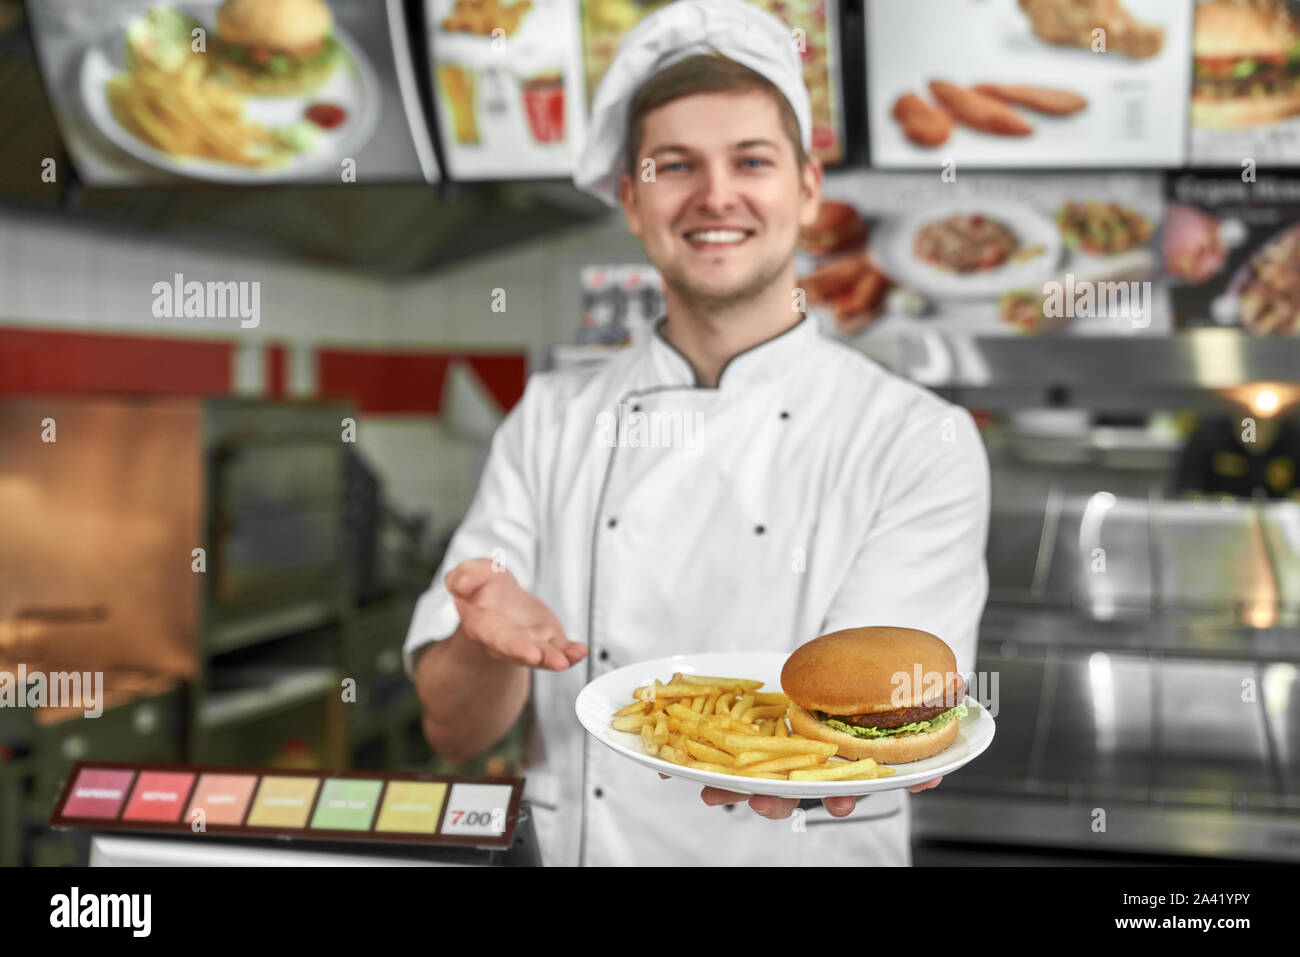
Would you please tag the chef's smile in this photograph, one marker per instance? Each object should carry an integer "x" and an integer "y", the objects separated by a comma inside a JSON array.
[{"x": 716, "y": 239}]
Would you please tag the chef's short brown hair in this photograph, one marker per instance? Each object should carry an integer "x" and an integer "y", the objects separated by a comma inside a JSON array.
[{"x": 703, "y": 73}]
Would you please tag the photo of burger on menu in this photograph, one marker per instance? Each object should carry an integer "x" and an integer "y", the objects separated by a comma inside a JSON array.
[
  {"x": 1245, "y": 81},
  {"x": 236, "y": 91}
]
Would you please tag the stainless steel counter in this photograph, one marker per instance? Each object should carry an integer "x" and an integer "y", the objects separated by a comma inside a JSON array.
[{"x": 1148, "y": 695}]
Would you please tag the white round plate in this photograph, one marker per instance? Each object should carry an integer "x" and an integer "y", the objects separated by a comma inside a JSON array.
[
  {"x": 598, "y": 701},
  {"x": 352, "y": 86},
  {"x": 893, "y": 240}
]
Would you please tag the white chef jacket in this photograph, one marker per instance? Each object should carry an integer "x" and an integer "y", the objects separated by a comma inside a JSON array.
[{"x": 820, "y": 492}]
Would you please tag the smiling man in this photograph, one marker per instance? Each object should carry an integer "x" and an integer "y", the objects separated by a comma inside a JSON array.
[
  {"x": 822, "y": 492},
  {"x": 717, "y": 185},
  {"x": 715, "y": 250}
]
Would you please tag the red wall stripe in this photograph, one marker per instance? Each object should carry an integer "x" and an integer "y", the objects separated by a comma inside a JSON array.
[
  {"x": 383, "y": 382},
  {"x": 503, "y": 375},
  {"x": 42, "y": 361},
  {"x": 38, "y": 361},
  {"x": 277, "y": 362}
]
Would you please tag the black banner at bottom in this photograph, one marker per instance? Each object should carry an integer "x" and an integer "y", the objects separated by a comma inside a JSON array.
[{"x": 332, "y": 904}]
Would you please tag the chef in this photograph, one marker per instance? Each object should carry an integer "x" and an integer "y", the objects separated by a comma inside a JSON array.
[{"x": 736, "y": 482}]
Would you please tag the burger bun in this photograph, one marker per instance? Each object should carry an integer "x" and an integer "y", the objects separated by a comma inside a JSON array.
[
  {"x": 1243, "y": 112},
  {"x": 279, "y": 24}
]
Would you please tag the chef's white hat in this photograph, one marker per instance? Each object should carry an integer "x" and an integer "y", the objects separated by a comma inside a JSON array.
[{"x": 735, "y": 28}]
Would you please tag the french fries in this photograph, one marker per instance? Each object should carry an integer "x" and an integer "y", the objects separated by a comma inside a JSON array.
[
  {"x": 729, "y": 726},
  {"x": 187, "y": 115}
]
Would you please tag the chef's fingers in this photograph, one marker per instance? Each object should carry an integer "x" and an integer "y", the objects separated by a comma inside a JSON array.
[
  {"x": 575, "y": 652},
  {"x": 552, "y": 658},
  {"x": 471, "y": 575},
  {"x": 499, "y": 636},
  {"x": 558, "y": 651},
  {"x": 550, "y": 632},
  {"x": 926, "y": 786},
  {"x": 775, "y": 808},
  {"x": 764, "y": 804},
  {"x": 572, "y": 651},
  {"x": 715, "y": 796},
  {"x": 840, "y": 806}
]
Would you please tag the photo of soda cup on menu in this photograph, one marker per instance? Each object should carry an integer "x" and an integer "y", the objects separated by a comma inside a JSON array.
[{"x": 544, "y": 102}]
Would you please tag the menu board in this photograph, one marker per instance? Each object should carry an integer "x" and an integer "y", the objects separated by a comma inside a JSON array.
[
  {"x": 1027, "y": 83},
  {"x": 987, "y": 254},
  {"x": 241, "y": 91},
  {"x": 1232, "y": 248},
  {"x": 1246, "y": 82},
  {"x": 507, "y": 86},
  {"x": 606, "y": 22}
]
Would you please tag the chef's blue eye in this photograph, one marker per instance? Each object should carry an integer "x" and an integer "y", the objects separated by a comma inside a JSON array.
[
  {"x": 756, "y": 159},
  {"x": 669, "y": 166}
]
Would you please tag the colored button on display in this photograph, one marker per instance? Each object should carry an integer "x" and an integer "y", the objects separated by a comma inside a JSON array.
[
  {"x": 283, "y": 802},
  {"x": 477, "y": 809},
  {"x": 411, "y": 806},
  {"x": 158, "y": 796},
  {"x": 98, "y": 793},
  {"x": 346, "y": 805},
  {"x": 223, "y": 798}
]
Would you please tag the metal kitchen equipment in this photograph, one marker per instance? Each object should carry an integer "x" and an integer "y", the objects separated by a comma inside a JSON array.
[{"x": 1147, "y": 648}]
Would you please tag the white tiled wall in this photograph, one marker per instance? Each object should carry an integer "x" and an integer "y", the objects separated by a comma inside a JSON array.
[{"x": 66, "y": 276}]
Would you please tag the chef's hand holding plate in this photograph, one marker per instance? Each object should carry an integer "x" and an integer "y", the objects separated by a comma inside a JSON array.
[
  {"x": 779, "y": 808},
  {"x": 510, "y": 623}
]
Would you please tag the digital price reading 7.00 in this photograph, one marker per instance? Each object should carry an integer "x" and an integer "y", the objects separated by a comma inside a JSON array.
[{"x": 477, "y": 809}]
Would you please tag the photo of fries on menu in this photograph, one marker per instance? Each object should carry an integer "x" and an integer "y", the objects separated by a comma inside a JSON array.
[{"x": 1023, "y": 83}]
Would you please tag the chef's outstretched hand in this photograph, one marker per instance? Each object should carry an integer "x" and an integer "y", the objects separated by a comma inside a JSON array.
[{"x": 510, "y": 624}]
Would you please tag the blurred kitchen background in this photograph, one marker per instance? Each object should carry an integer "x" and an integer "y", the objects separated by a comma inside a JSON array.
[{"x": 1144, "y": 552}]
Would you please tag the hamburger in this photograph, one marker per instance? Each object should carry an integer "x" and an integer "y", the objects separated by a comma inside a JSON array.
[
  {"x": 890, "y": 694},
  {"x": 1246, "y": 64},
  {"x": 275, "y": 47}
]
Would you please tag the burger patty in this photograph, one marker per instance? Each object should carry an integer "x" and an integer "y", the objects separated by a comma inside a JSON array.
[
  {"x": 1256, "y": 86},
  {"x": 896, "y": 719}
]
